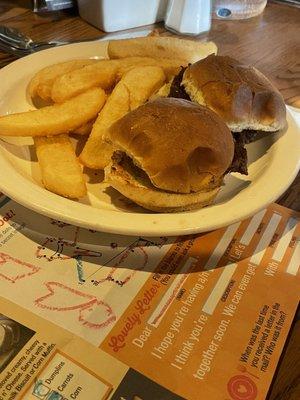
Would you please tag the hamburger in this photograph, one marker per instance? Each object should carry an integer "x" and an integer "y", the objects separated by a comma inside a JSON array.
[
  {"x": 242, "y": 96},
  {"x": 170, "y": 155}
]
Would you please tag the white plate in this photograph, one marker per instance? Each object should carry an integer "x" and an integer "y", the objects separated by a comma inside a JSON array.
[{"x": 274, "y": 163}]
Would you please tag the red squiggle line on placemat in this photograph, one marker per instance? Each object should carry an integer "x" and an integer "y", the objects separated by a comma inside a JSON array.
[
  {"x": 87, "y": 305},
  {"x": 26, "y": 269}
]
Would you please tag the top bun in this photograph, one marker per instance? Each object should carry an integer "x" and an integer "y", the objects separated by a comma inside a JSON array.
[
  {"x": 181, "y": 146},
  {"x": 241, "y": 95}
]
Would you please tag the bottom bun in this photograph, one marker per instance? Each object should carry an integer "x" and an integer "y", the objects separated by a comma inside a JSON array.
[{"x": 134, "y": 184}]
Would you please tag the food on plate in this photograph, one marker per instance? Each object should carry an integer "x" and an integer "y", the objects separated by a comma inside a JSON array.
[
  {"x": 67, "y": 79},
  {"x": 42, "y": 82},
  {"x": 241, "y": 95},
  {"x": 105, "y": 73},
  {"x": 55, "y": 119},
  {"x": 164, "y": 90},
  {"x": 161, "y": 47},
  {"x": 101, "y": 74},
  {"x": 170, "y": 155},
  {"x": 61, "y": 171},
  {"x": 134, "y": 89},
  {"x": 171, "y": 67},
  {"x": 85, "y": 129}
]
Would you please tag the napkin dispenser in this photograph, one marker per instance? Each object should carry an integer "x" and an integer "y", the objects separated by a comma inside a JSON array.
[{"x": 116, "y": 15}]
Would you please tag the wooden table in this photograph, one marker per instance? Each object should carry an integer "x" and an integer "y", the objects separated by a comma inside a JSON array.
[{"x": 270, "y": 42}]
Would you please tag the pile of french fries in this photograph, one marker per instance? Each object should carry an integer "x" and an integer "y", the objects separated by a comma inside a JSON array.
[{"x": 86, "y": 97}]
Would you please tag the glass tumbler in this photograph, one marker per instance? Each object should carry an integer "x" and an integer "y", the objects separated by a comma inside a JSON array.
[{"x": 237, "y": 9}]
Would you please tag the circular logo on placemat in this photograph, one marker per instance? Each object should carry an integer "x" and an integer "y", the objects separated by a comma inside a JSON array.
[{"x": 241, "y": 387}]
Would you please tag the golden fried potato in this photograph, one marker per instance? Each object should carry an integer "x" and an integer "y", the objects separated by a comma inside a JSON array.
[
  {"x": 85, "y": 129},
  {"x": 102, "y": 74},
  {"x": 42, "y": 82},
  {"x": 60, "y": 168},
  {"x": 170, "y": 67},
  {"x": 161, "y": 47},
  {"x": 55, "y": 119},
  {"x": 134, "y": 89},
  {"x": 105, "y": 74},
  {"x": 96, "y": 153},
  {"x": 163, "y": 91}
]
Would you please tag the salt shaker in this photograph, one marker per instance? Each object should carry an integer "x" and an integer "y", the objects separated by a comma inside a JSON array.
[{"x": 188, "y": 17}]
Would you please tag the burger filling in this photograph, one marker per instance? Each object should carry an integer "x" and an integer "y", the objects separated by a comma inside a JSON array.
[
  {"x": 119, "y": 158},
  {"x": 123, "y": 164}
]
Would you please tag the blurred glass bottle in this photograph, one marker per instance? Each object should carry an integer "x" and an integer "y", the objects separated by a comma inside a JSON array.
[
  {"x": 237, "y": 9},
  {"x": 51, "y": 5},
  {"x": 188, "y": 17}
]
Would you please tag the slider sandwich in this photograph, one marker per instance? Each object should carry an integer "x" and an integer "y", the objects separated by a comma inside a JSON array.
[
  {"x": 242, "y": 96},
  {"x": 171, "y": 155}
]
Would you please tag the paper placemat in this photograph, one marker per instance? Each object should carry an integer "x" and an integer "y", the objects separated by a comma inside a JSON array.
[{"x": 171, "y": 318}]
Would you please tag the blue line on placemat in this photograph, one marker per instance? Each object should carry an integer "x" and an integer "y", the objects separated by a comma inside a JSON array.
[{"x": 79, "y": 266}]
